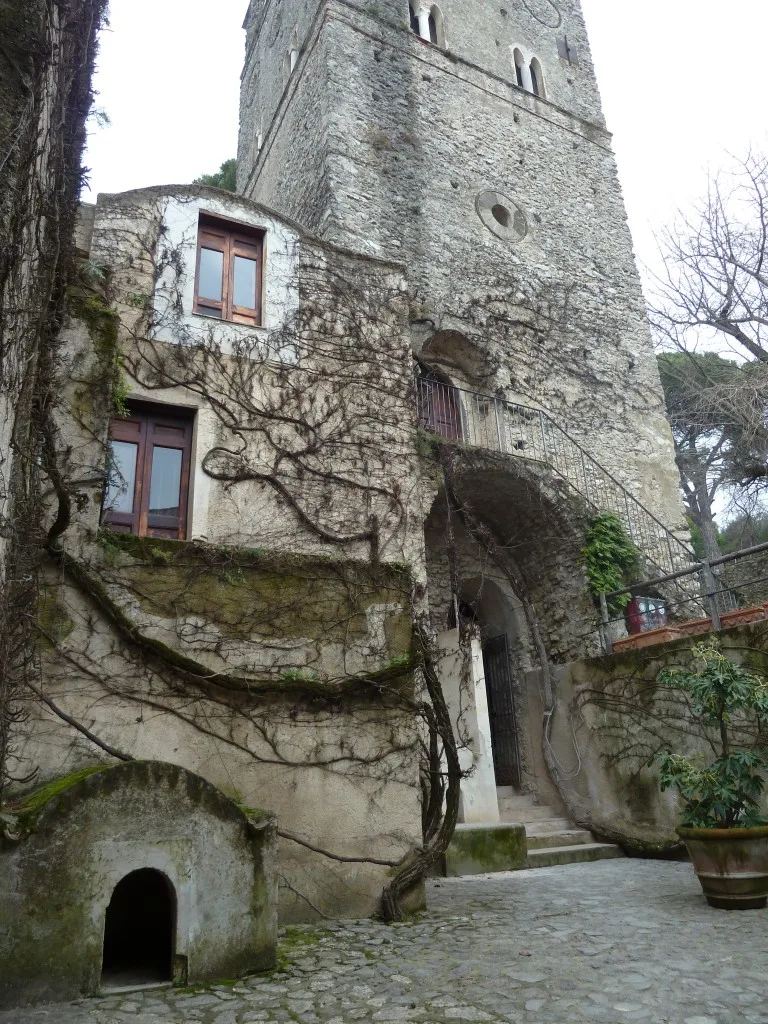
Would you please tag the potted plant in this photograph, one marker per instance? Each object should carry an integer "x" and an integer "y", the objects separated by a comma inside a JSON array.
[{"x": 721, "y": 822}]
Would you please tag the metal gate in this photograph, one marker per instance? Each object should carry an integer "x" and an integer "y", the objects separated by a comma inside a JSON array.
[{"x": 501, "y": 709}]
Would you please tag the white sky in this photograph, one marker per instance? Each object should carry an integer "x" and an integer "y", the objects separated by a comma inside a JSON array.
[{"x": 683, "y": 83}]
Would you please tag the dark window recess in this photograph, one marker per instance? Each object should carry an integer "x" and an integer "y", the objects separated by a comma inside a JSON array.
[
  {"x": 519, "y": 75},
  {"x": 432, "y": 29},
  {"x": 148, "y": 473},
  {"x": 228, "y": 279},
  {"x": 566, "y": 51},
  {"x": 414, "y": 20},
  {"x": 439, "y": 408}
]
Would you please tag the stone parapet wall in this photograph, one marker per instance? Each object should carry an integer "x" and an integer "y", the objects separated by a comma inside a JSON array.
[{"x": 610, "y": 718}]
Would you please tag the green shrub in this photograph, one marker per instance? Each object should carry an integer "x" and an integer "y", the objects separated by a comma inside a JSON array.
[{"x": 726, "y": 793}]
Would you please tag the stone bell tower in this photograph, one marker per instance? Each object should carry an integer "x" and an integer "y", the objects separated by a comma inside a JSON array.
[{"x": 466, "y": 139}]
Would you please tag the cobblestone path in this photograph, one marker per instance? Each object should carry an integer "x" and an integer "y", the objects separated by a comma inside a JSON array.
[{"x": 614, "y": 941}]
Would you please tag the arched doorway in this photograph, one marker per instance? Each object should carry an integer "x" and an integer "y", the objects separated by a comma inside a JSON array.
[
  {"x": 482, "y": 603},
  {"x": 139, "y": 930},
  {"x": 439, "y": 406}
]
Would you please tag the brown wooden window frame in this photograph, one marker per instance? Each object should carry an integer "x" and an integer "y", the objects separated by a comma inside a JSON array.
[
  {"x": 150, "y": 427},
  {"x": 231, "y": 239}
]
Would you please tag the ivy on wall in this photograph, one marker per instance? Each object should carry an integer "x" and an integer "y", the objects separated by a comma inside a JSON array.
[{"x": 612, "y": 560}]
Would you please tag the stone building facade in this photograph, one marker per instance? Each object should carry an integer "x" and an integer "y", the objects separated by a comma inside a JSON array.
[
  {"x": 368, "y": 406},
  {"x": 260, "y": 632},
  {"x": 467, "y": 140}
]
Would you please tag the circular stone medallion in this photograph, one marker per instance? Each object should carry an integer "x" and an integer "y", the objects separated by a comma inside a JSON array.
[
  {"x": 502, "y": 216},
  {"x": 545, "y": 11}
]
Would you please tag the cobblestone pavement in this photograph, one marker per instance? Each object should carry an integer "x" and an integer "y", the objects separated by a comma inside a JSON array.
[{"x": 615, "y": 941}]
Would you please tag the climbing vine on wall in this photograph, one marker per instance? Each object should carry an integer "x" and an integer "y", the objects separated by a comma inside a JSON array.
[{"x": 612, "y": 560}]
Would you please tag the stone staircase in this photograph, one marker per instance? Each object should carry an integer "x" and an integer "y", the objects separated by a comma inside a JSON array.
[{"x": 551, "y": 839}]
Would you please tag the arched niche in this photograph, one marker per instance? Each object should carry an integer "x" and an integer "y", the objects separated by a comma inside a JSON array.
[
  {"x": 137, "y": 847},
  {"x": 140, "y": 930},
  {"x": 458, "y": 356}
]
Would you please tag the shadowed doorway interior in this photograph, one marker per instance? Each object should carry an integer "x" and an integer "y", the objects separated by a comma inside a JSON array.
[{"x": 139, "y": 931}]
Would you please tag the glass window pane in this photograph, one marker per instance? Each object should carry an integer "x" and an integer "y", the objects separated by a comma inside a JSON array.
[
  {"x": 209, "y": 311},
  {"x": 121, "y": 482},
  {"x": 165, "y": 487},
  {"x": 245, "y": 283},
  {"x": 211, "y": 278}
]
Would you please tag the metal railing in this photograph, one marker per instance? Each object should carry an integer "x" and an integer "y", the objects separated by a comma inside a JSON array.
[
  {"x": 524, "y": 432},
  {"x": 716, "y": 588}
]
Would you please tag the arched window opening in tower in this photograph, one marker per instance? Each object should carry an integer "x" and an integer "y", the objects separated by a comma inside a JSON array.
[
  {"x": 436, "y": 31},
  {"x": 519, "y": 65},
  {"x": 414, "y": 20},
  {"x": 537, "y": 78}
]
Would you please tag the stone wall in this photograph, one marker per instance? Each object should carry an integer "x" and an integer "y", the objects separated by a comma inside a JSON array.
[
  {"x": 272, "y": 650},
  {"x": 413, "y": 141},
  {"x": 611, "y": 716},
  {"x": 76, "y": 839},
  {"x": 46, "y": 63}
]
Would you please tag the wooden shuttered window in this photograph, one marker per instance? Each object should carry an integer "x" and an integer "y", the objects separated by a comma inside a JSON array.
[
  {"x": 150, "y": 454},
  {"x": 228, "y": 276}
]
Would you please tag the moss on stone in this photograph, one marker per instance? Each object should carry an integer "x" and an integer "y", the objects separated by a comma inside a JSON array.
[
  {"x": 28, "y": 808},
  {"x": 480, "y": 849},
  {"x": 53, "y": 619},
  {"x": 248, "y": 592}
]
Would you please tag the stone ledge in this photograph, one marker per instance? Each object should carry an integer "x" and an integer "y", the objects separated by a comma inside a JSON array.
[{"x": 482, "y": 849}]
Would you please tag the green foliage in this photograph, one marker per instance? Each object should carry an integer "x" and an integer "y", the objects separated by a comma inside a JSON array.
[
  {"x": 225, "y": 177},
  {"x": 612, "y": 560},
  {"x": 728, "y": 792},
  {"x": 745, "y": 531},
  {"x": 698, "y": 541}
]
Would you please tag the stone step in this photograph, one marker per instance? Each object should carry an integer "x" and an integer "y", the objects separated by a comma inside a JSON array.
[
  {"x": 524, "y": 814},
  {"x": 509, "y": 791},
  {"x": 546, "y": 840},
  {"x": 578, "y": 854},
  {"x": 547, "y": 823},
  {"x": 515, "y": 800}
]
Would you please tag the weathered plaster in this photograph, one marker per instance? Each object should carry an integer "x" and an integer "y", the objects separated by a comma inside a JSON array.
[{"x": 58, "y": 878}]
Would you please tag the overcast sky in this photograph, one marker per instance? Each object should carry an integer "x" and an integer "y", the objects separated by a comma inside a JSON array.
[{"x": 683, "y": 83}]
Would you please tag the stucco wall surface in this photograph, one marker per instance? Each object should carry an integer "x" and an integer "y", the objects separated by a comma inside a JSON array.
[
  {"x": 57, "y": 880},
  {"x": 236, "y": 653}
]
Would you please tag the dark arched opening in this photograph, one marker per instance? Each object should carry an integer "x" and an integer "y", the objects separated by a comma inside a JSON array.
[
  {"x": 139, "y": 930},
  {"x": 414, "y": 20}
]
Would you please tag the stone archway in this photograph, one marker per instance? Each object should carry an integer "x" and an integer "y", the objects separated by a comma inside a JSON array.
[
  {"x": 527, "y": 585},
  {"x": 139, "y": 930}
]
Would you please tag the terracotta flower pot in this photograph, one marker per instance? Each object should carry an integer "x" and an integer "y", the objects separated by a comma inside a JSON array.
[
  {"x": 742, "y": 616},
  {"x": 731, "y": 864}
]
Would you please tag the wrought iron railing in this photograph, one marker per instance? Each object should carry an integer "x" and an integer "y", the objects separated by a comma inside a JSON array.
[
  {"x": 524, "y": 432},
  {"x": 708, "y": 596}
]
